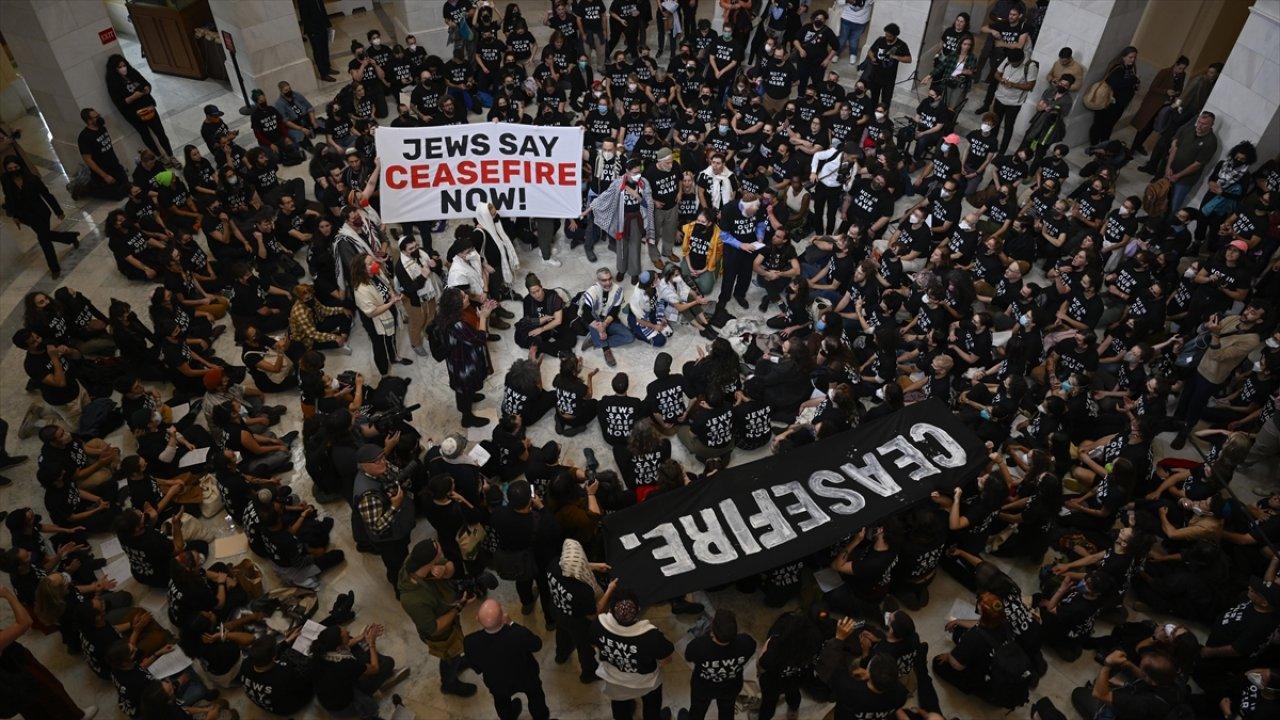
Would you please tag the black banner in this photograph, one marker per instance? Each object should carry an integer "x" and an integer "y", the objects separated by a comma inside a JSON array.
[{"x": 777, "y": 510}]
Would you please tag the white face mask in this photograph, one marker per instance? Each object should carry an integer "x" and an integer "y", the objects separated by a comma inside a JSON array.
[
  {"x": 413, "y": 46},
  {"x": 1273, "y": 343},
  {"x": 879, "y": 116},
  {"x": 964, "y": 225},
  {"x": 1254, "y": 678},
  {"x": 916, "y": 219},
  {"x": 1124, "y": 211},
  {"x": 631, "y": 87},
  {"x": 1257, "y": 366},
  {"x": 986, "y": 127},
  {"x": 944, "y": 147},
  {"x": 1190, "y": 273},
  {"x": 944, "y": 194},
  {"x": 608, "y": 154},
  {"x": 375, "y": 42}
]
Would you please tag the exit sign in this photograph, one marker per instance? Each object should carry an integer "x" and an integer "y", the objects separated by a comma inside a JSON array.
[{"x": 107, "y": 36}]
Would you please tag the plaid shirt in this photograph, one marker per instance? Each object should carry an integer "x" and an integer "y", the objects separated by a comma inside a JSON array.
[
  {"x": 302, "y": 323},
  {"x": 376, "y": 512},
  {"x": 945, "y": 65}
]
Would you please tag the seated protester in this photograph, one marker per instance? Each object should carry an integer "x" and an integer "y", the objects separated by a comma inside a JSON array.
[
  {"x": 709, "y": 431},
  {"x": 88, "y": 465},
  {"x": 523, "y": 394},
  {"x": 1239, "y": 636},
  {"x": 70, "y": 506},
  {"x": 971, "y": 521},
  {"x": 346, "y": 671},
  {"x": 719, "y": 367},
  {"x": 639, "y": 458},
  {"x": 575, "y": 408},
  {"x": 664, "y": 397},
  {"x": 685, "y": 303},
  {"x": 923, "y": 543},
  {"x": 782, "y": 378},
  {"x": 901, "y": 643},
  {"x": 648, "y": 311},
  {"x": 794, "y": 320},
  {"x": 217, "y": 645},
  {"x": 542, "y": 328},
  {"x": 261, "y": 454},
  {"x": 939, "y": 382},
  {"x": 136, "y": 690},
  {"x": 270, "y": 131},
  {"x": 238, "y": 488},
  {"x": 775, "y": 266},
  {"x": 257, "y": 301},
  {"x": 269, "y": 361},
  {"x": 865, "y": 566},
  {"x": 600, "y": 308},
  {"x": 509, "y": 449},
  {"x": 752, "y": 426},
  {"x": 220, "y": 388},
  {"x": 453, "y": 457},
  {"x": 969, "y": 666},
  {"x": 138, "y": 257},
  {"x": 873, "y": 692},
  {"x": 1133, "y": 444},
  {"x": 1068, "y": 615},
  {"x": 701, "y": 248},
  {"x": 276, "y": 686},
  {"x": 65, "y": 549},
  {"x": 148, "y": 549},
  {"x": 298, "y": 553},
  {"x": 1156, "y": 690},
  {"x": 1261, "y": 697},
  {"x": 717, "y": 659},
  {"x": 157, "y": 497},
  {"x": 162, "y": 446},
  {"x": 193, "y": 589},
  {"x": 618, "y": 413},
  {"x": 314, "y": 325},
  {"x": 1033, "y": 516},
  {"x": 52, "y": 369}
]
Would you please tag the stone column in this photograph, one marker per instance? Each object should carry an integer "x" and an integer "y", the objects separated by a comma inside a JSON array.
[
  {"x": 1096, "y": 31},
  {"x": 424, "y": 19},
  {"x": 268, "y": 44},
  {"x": 63, "y": 59},
  {"x": 912, "y": 17},
  {"x": 1246, "y": 97}
]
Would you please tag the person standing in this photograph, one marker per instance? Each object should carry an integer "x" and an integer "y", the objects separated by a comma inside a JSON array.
[
  {"x": 417, "y": 279},
  {"x": 502, "y": 652},
  {"x": 831, "y": 172},
  {"x": 1166, "y": 87},
  {"x": 1231, "y": 340},
  {"x": 131, "y": 94},
  {"x": 664, "y": 181},
  {"x": 718, "y": 658},
  {"x": 740, "y": 242},
  {"x": 466, "y": 356},
  {"x": 1122, "y": 78},
  {"x": 854, "y": 16},
  {"x": 631, "y": 651},
  {"x": 28, "y": 200},
  {"x": 883, "y": 58},
  {"x": 625, "y": 212},
  {"x": 435, "y": 608},
  {"x": 576, "y": 599},
  {"x": 1193, "y": 147},
  {"x": 376, "y": 303},
  {"x": 316, "y": 25},
  {"x": 382, "y": 511}
]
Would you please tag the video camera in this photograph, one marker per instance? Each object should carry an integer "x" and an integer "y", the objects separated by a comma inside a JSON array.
[
  {"x": 479, "y": 586},
  {"x": 387, "y": 420}
]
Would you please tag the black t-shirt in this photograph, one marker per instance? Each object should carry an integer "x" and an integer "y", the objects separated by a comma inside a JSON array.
[
  {"x": 617, "y": 417},
  {"x": 335, "y": 681},
  {"x": 280, "y": 689},
  {"x": 639, "y": 654},
  {"x": 569, "y": 596},
  {"x": 664, "y": 184},
  {"x": 718, "y": 666},
  {"x": 751, "y": 426},
  {"x": 976, "y": 648},
  {"x": 149, "y": 555},
  {"x": 39, "y": 366},
  {"x": 712, "y": 426},
  {"x": 856, "y": 701},
  {"x": 97, "y": 145},
  {"x": 1244, "y": 629},
  {"x": 569, "y": 393},
  {"x": 665, "y": 397},
  {"x": 777, "y": 77}
]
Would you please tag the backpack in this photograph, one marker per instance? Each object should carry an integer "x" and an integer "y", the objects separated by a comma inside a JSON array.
[
  {"x": 1155, "y": 199},
  {"x": 1009, "y": 677},
  {"x": 436, "y": 343},
  {"x": 315, "y": 451},
  {"x": 1098, "y": 96},
  {"x": 100, "y": 418}
]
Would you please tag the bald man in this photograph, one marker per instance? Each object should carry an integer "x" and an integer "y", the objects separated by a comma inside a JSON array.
[{"x": 502, "y": 652}]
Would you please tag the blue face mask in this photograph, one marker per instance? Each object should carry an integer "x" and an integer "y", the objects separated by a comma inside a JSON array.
[
  {"x": 1066, "y": 386},
  {"x": 984, "y": 415},
  {"x": 820, "y": 325},
  {"x": 602, "y": 108}
]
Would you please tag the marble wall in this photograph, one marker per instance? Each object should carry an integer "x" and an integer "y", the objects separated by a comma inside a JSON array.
[
  {"x": 58, "y": 52},
  {"x": 1246, "y": 98},
  {"x": 424, "y": 20},
  {"x": 1095, "y": 30},
  {"x": 268, "y": 44}
]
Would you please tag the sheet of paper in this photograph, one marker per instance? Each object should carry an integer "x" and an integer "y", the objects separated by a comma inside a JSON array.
[
  {"x": 180, "y": 411},
  {"x": 110, "y": 548},
  {"x": 310, "y": 631},
  {"x": 195, "y": 457},
  {"x": 478, "y": 455},
  {"x": 118, "y": 569},
  {"x": 170, "y": 663},
  {"x": 827, "y": 579},
  {"x": 230, "y": 546},
  {"x": 962, "y": 610}
]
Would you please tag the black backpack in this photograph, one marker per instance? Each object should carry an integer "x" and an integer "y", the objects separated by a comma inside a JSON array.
[
  {"x": 1010, "y": 674},
  {"x": 100, "y": 418}
]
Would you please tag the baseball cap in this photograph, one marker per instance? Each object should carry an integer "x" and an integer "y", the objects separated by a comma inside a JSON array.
[
  {"x": 453, "y": 446},
  {"x": 368, "y": 453},
  {"x": 1240, "y": 245},
  {"x": 953, "y": 139},
  {"x": 664, "y": 154},
  {"x": 212, "y": 110}
]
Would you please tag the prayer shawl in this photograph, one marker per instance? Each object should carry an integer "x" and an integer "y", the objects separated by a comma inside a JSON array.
[
  {"x": 597, "y": 305},
  {"x": 607, "y": 209},
  {"x": 495, "y": 233},
  {"x": 352, "y": 242}
]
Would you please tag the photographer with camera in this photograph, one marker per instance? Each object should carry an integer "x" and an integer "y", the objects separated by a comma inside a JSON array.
[
  {"x": 432, "y": 601},
  {"x": 382, "y": 512}
]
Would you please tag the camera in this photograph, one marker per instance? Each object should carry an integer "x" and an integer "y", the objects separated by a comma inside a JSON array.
[
  {"x": 479, "y": 586},
  {"x": 387, "y": 420}
]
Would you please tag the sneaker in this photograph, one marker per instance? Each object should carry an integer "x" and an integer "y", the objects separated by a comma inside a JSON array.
[
  {"x": 586, "y": 344},
  {"x": 474, "y": 421},
  {"x": 552, "y": 262},
  {"x": 592, "y": 462},
  {"x": 9, "y": 461},
  {"x": 853, "y": 60},
  {"x": 420, "y": 351},
  {"x": 399, "y": 675},
  {"x": 609, "y": 359},
  {"x": 764, "y": 304},
  {"x": 709, "y": 333},
  {"x": 742, "y": 302}
]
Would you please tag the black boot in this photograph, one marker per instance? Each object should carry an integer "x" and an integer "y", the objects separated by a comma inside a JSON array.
[{"x": 449, "y": 682}]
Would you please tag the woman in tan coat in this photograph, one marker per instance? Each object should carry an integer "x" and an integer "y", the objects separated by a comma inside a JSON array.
[{"x": 1165, "y": 88}]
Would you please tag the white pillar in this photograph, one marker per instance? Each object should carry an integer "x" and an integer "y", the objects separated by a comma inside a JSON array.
[
  {"x": 424, "y": 19},
  {"x": 1096, "y": 31},
  {"x": 268, "y": 44},
  {"x": 1246, "y": 97},
  {"x": 63, "y": 59}
]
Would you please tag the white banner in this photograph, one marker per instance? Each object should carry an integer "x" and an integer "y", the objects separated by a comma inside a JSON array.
[{"x": 438, "y": 173}]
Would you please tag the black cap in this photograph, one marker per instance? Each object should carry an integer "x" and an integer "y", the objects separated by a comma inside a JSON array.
[
  {"x": 1269, "y": 591},
  {"x": 212, "y": 110}
]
